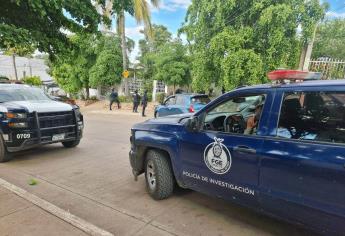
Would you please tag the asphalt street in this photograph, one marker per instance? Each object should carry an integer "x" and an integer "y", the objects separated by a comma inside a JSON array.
[{"x": 94, "y": 182}]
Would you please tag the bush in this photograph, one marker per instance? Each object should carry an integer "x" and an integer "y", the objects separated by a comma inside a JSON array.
[
  {"x": 34, "y": 81},
  {"x": 125, "y": 99},
  {"x": 160, "y": 97},
  {"x": 94, "y": 98},
  {"x": 149, "y": 97},
  {"x": 82, "y": 96}
]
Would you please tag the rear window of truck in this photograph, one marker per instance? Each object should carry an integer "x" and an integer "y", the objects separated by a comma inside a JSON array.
[{"x": 316, "y": 116}]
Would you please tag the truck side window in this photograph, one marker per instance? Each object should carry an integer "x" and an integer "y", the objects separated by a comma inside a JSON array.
[
  {"x": 179, "y": 100},
  {"x": 318, "y": 116},
  {"x": 240, "y": 115},
  {"x": 170, "y": 101}
]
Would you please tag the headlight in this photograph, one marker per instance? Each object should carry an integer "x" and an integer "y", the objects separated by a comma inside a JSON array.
[
  {"x": 18, "y": 125},
  {"x": 78, "y": 114},
  {"x": 11, "y": 115}
]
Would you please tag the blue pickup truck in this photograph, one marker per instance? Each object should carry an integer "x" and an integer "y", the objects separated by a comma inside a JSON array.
[
  {"x": 29, "y": 118},
  {"x": 285, "y": 159}
]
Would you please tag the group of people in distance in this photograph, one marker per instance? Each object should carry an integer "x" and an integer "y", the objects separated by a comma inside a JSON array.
[{"x": 114, "y": 98}]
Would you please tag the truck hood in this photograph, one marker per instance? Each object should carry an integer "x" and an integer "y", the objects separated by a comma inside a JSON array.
[
  {"x": 37, "y": 106},
  {"x": 173, "y": 119}
]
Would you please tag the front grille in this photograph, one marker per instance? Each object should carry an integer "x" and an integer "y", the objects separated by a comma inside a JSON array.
[
  {"x": 52, "y": 123},
  {"x": 55, "y": 119}
]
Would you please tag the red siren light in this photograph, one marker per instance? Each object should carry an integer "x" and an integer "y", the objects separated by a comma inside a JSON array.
[{"x": 293, "y": 75}]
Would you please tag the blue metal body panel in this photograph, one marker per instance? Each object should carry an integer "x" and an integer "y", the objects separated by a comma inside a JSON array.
[{"x": 300, "y": 181}]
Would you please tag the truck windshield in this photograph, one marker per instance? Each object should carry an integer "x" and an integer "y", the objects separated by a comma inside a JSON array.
[{"x": 27, "y": 94}]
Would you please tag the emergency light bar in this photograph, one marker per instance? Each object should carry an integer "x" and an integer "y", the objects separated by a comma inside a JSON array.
[{"x": 293, "y": 75}]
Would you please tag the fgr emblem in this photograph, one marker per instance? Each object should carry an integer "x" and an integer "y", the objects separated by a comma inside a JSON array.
[{"x": 217, "y": 157}]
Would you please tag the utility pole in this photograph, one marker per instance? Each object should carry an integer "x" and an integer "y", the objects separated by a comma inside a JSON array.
[
  {"x": 124, "y": 50},
  {"x": 306, "y": 53},
  {"x": 14, "y": 65},
  {"x": 30, "y": 68},
  {"x": 24, "y": 71}
]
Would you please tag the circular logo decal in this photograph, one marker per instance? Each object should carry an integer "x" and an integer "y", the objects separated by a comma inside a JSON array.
[{"x": 217, "y": 157}]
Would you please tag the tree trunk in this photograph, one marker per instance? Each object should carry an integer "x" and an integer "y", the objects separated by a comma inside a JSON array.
[
  {"x": 87, "y": 90},
  {"x": 14, "y": 65},
  {"x": 107, "y": 13},
  {"x": 124, "y": 50}
]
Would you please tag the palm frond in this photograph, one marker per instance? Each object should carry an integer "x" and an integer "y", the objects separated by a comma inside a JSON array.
[
  {"x": 142, "y": 14},
  {"x": 155, "y": 3}
]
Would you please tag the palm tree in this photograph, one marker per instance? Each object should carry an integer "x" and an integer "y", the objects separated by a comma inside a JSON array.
[{"x": 141, "y": 12}]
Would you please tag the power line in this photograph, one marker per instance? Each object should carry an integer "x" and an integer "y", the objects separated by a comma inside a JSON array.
[{"x": 238, "y": 16}]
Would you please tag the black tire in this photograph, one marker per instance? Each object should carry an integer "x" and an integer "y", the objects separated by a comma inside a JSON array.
[
  {"x": 71, "y": 144},
  {"x": 163, "y": 186},
  {"x": 4, "y": 155}
]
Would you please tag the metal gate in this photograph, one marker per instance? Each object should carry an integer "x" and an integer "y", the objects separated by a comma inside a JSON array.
[{"x": 330, "y": 68}]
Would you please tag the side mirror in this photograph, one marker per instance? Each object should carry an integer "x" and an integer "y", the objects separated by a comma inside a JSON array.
[
  {"x": 252, "y": 108},
  {"x": 192, "y": 124},
  {"x": 239, "y": 100}
]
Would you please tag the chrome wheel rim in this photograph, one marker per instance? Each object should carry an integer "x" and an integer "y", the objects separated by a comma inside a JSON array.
[{"x": 151, "y": 175}]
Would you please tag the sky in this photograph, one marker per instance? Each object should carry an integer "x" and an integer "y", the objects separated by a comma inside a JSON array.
[{"x": 171, "y": 14}]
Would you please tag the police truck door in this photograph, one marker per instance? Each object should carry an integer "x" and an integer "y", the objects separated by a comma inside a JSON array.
[{"x": 223, "y": 157}]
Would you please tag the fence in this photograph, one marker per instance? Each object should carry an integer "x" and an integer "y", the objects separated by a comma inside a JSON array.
[
  {"x": 137, "y": 84},
  {"x": 134, "y": 84},
  {"x": 330, "y": 68},
  {"x": 158, "y": 87}
]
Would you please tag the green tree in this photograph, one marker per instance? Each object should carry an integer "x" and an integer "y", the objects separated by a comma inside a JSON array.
[
  {"x": 149, "y": 48},
  {"x": 95, "y": 60},
  {"x": 40, "y": 22},
  {"x": 330, "y": 39},
  {"x": 227, "y": 35},
  {"x": 107, "y": 69},
  {"x": 172, "y": 64}
]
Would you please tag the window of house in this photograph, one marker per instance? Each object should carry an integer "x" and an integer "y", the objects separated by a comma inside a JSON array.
[{"x": 318, "y": 116}]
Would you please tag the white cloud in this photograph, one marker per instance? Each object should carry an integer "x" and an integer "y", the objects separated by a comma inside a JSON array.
[
  {"x": 134, "y": 32},
  {"x": 333, "y": 14},
  {"x": 172, "y": 5}
]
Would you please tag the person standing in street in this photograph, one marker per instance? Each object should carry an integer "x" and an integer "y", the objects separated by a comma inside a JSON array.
[
  {"x": 144, "y": 103},
  {"x": 136, "y": 101},
  {"x": 114, "y": 97}
]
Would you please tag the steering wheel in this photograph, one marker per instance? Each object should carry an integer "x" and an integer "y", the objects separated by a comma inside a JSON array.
[{"x": 234, "y": 124}]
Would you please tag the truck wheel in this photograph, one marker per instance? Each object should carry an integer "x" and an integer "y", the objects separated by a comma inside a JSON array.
[
  {"x": 159, "y": 175},
  {"x": 4, "y": 155},
  {"x": 71, "y": 144}
]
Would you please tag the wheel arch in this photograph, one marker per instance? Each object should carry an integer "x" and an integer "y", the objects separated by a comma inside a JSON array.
[{"x": 166, "y": 143}]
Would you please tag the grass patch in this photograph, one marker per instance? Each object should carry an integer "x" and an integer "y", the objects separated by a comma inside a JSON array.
[{"x": 32, "y": 182}]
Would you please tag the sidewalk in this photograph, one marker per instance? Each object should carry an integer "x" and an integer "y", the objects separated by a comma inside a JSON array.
[{"x": 20, "y": 217}]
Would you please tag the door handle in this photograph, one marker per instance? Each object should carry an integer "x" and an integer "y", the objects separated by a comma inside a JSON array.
[{"x": 245, "y": 149}]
